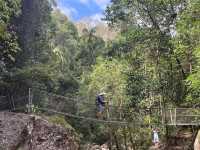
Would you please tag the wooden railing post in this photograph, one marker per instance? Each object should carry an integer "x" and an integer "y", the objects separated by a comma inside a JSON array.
[
  {"x": 171, "y": 117},
  {"x": 29, "y": 100},
  {"x": 175, "y": 116},
  {"x": 77, "y": 106}
]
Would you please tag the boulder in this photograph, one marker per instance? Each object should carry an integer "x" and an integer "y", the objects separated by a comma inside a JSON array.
[{"x": 27, "y": 132}]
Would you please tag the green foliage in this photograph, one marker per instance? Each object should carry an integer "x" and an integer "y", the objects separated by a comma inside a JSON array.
[
  {"x": 146, "y": 27},
  {"x": 8, "y": 9},
  {"x": 136, "y": 87},
  {"x": 187, "y": 44},
  {"x": 150, "y": 13},
  {"x": 33, "y": 30},
  {"x": 154, "y": 60},
  {"x": 187, "y": 39},
  {"x": 107, "y": 75},
  {"x": 194, "y": 89},
  {"x": 60, "y": 120},
  {"x": 64, "y": 47},
  {"x": 127, "y": 41},
  {"x": 64, "y": 42},
  {"x": 8, "y": 40},
  {"x": 27, "y": 68},
  {"x": 143, "y": 85},
  {"x": 91, "y": 47}
]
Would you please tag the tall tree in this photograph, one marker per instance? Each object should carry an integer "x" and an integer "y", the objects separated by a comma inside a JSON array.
[
  {"x": 65, "y": 48},
  {"x": 33, "y": 28},
  {"x": 8, "y": 40},
  {"x": 91, "y": 46},
  {"x": 187, "y": 45},
  {"x": 155, "y": 21}
]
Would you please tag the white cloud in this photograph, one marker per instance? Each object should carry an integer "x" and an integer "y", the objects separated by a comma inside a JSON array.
[
  {"x": 84, "y": 1},
  {"x": 102, "y": 3},
  {"x": 67, "y": 10},
  {"x": 97, "y": 17},
  {"x": 94, "y": 20},
  {"x": 72, "y": 12}
]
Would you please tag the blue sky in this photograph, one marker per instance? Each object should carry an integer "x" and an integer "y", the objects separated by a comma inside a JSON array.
[{"x": 79, "y": 9}]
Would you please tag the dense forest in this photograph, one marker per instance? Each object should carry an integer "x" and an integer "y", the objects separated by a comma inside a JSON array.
[{"x": 152, "y": 62}]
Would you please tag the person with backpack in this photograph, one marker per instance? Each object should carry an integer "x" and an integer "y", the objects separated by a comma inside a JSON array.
[{"x": 100, "y": 101}]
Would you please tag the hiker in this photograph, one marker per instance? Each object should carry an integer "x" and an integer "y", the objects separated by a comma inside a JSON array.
[
  {"x": 100, "y": 100},
  {"x": 155, "y": 136}
]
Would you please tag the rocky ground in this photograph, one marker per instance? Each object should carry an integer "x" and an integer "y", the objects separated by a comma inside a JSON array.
[
  {"x": 197, "y": 141},
  {"x": 95, "y": 147},
  {"x": 25, "y": 132}
]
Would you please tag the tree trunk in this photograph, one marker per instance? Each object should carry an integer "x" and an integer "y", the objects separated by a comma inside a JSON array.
[
  {"x": 110, "y": 135},
  {"x": 131, "y": 138},
  {"x": 125, "y": 138},
  {"x": 116, "y": 141}
]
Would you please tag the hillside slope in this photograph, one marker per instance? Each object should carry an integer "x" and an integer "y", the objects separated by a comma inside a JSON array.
[{"x": 102, "y": 30}]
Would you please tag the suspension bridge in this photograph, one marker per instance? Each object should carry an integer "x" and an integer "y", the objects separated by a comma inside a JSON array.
[{"x": 78, "y": 109}]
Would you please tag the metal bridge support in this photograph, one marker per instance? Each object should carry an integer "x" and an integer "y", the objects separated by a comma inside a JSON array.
[
  {"x": 175, "y": 116},
  {"x": 30, "y": 101}
]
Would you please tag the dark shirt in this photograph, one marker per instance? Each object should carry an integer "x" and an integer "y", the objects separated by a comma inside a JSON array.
[{"x": 100, "y": 100}]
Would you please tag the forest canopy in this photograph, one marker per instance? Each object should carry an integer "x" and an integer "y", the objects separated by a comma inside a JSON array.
[{"x": 153, "y": 61}]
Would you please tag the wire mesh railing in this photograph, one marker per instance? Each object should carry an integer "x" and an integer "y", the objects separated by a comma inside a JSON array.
[
  {"x": 76, "y": 108},
  {"x": 182, "y": 116}
]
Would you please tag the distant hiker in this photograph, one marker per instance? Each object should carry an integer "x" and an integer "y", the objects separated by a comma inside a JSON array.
[
  {"x": 100, "y": 100},
  {"x": 155, "y": 136}
]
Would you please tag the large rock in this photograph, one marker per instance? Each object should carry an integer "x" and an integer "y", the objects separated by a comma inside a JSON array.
[
  {"x": 24, "y": 132},
  {"x": 197, "y": 142}
]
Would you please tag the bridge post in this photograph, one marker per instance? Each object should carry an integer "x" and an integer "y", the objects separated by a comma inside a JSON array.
[
  {"x": 175, "y": 116},
  {"x": 163, "y": 115},
  {"x": 171, "y": 117},
  {"x": 29, "y": 101},
  {"x": 77, "y": 105}
]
